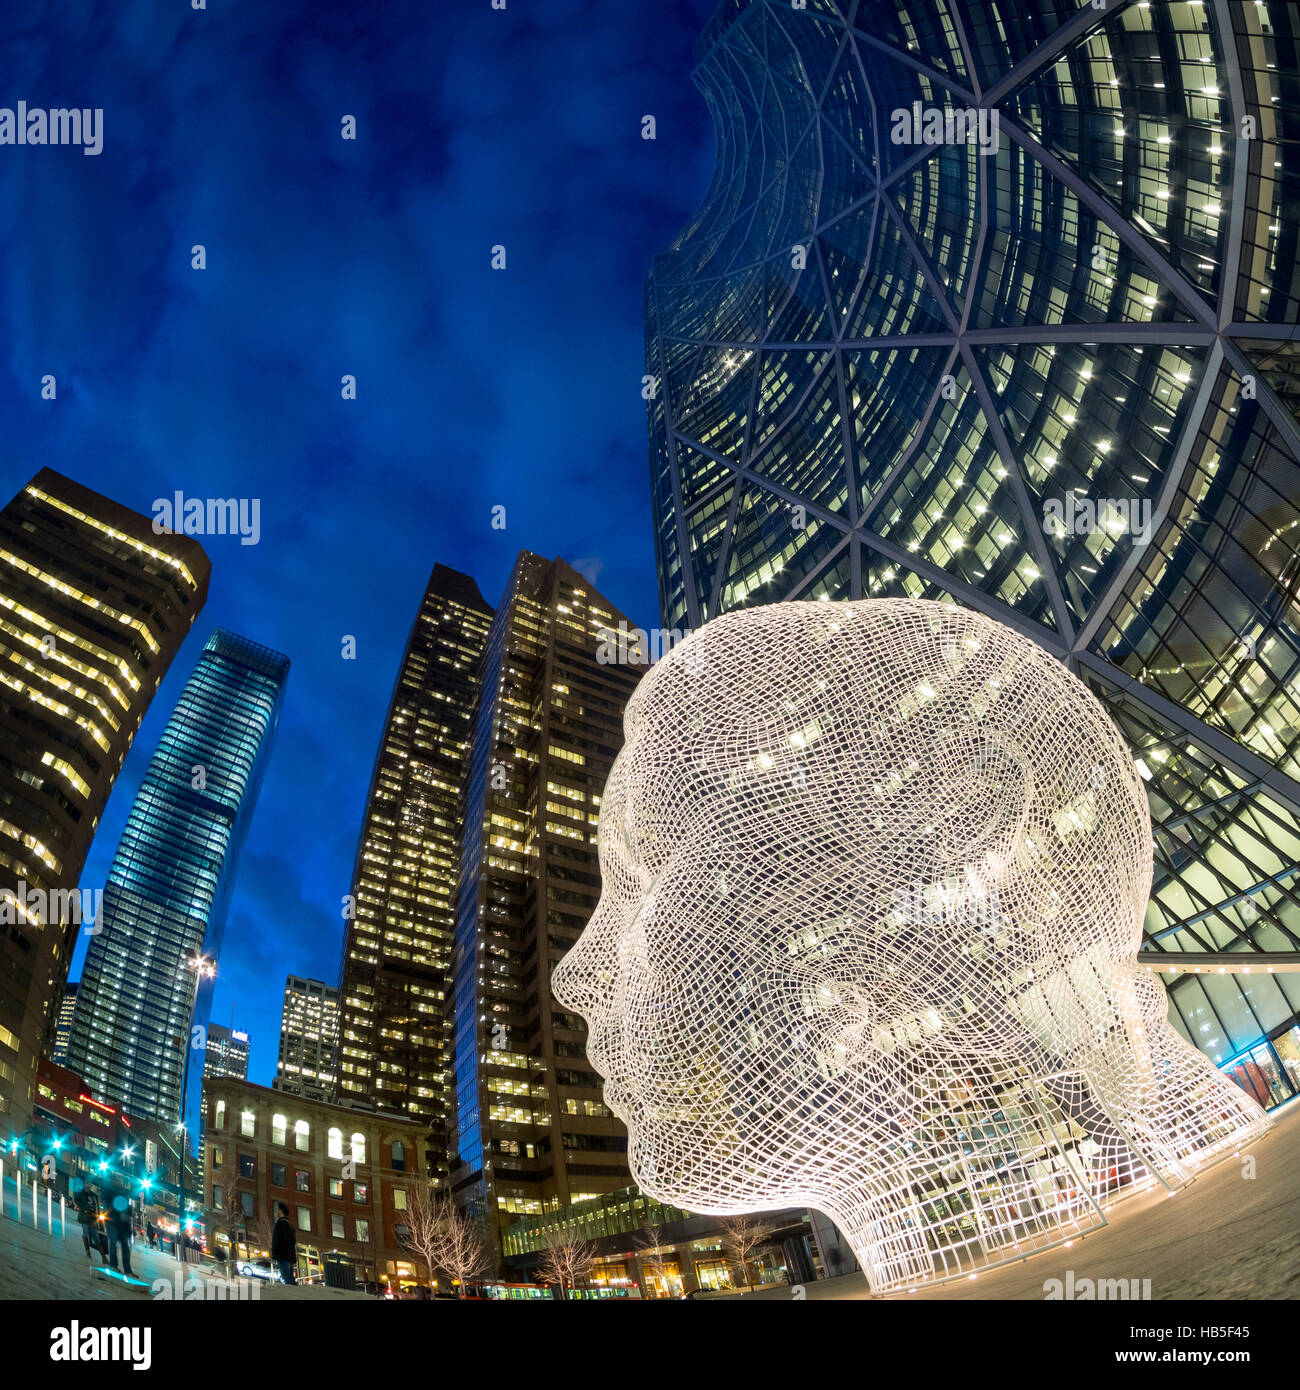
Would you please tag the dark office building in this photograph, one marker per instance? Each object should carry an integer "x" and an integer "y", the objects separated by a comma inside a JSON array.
[
  {"x": 93, "y": 607},
  {"x": 530, "y": 1132},
  {"x": 171, "y": 880},
  {"x": 393, "y": 1044},
  {"x": 997, "y": 305},
  {"x": 63, "y": 1026}
]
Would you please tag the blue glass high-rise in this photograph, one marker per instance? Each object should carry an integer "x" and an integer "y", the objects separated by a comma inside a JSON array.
[{"x": 169, "y": 888}]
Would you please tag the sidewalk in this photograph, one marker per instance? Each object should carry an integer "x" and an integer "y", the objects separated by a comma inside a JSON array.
[
  {"x": 1226, "y": 1236},
  {"x": 35, "y": 1264}
]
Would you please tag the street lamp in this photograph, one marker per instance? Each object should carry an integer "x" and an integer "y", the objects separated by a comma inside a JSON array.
[{"x": 204, "y": 968}]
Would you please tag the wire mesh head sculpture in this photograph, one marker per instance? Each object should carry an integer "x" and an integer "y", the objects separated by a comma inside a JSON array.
[{"x": 873, "y": 883}]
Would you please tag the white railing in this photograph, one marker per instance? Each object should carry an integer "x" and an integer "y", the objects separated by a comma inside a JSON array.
[{"x": 32, "y": 1200}]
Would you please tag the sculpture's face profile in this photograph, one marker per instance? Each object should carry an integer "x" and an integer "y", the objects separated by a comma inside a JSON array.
[{"x": 848, "y": 851}]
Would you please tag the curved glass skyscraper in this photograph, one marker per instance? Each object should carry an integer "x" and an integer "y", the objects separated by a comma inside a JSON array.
[
  {"x": 172, "y": 877},
  {"x": 998, "y": 303}
]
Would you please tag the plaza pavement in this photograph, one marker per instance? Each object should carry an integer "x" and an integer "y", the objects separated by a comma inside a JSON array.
[{"x": 1224, "y": 1236}]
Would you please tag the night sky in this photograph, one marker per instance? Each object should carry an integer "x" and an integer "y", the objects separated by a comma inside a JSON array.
[{"x": 327, "y": 257}]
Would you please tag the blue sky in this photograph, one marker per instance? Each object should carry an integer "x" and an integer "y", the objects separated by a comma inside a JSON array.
[{"x": 475, "y": 388}]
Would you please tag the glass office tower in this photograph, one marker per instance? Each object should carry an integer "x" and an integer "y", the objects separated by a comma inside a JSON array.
[
  {"x": 93, "y": 608},
  {"x": 171, "y": 879},
  {"x": 309, "y": 1040},
  {"x": 997, "y": 303},
  {"x": 393, "y": 1048},
  {"x": 530, "y": 1132},
  {"x": 227, "y": 1052}
]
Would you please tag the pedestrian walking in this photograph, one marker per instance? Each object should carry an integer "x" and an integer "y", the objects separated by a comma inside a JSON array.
[
  {"x": 88, "y": 1219},
  {"x": 284, "y": 1245},
  {"x": 152, "y": 1232},
  {"x": 118, "y": 1224}
]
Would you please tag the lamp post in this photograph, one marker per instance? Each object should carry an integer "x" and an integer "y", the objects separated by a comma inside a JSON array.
[
  {"x": 204, "y": 967},
  {"x": 127, "y": 1154}
]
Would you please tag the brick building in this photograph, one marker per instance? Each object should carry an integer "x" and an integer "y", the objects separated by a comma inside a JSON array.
[{"x": 346, "y": 1175}]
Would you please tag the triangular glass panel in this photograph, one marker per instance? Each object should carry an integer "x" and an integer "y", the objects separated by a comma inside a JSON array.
[
  {"x": 834, "y": 582},
  {"x": 896, "y": 91},
  {"x": 805, "y": 453},
  {"x": 955, "y": 506},
  {"x": 1279, "y": 364},
  {"x": 699, "y": 474},
  {"x": 797, "y": 311},
  {"x": 924, "y": 32},
  {"x": 940, "y": 200},
  {"x": 707, "y": 537},
  {"x": 776, "y": 544},
  {"x": 1162, "y": 164},
  {"x": 1048, "y": 258},
  {"x": 1094, "y": 427},
  {"x": 884, "y": 294},
  {"x": 785, "y": 382},
  {"x": 802, "y": 50},
  {"x": 1003, "y": 33},
  {"x": 883, "y": 577},
  {"x": 1227, "y": 854},
  {"x": 711, "y": 404},
  {"x": 889, "y": 391},
  {"x": 847, "y": 118}
]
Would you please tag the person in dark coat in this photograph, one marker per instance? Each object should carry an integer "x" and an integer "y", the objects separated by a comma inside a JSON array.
[
  {"x": 88, "y": 1219},
  {"x": 118, "y": 1224},
  {"x": 151, "y": 1232},
  {"x": 284, "y": 1245}
]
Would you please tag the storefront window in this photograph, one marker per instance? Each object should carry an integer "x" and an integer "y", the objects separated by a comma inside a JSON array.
[
  {"x": 1260, "y": 1074},
  {"x": 713, "y": 1274},
  {"x": 1287, "y": 1048}
]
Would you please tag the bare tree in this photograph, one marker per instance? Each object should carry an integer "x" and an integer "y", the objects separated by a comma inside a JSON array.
[
  {"x": 567, "y": 1260},
  {"x": 424, "y": 1227},
  {"x": 651, "y": 1256},
  {"x": 368, "y": 1259},
  {"x": 237, "y": 1221},
  {"x": 741, "y": 1236},
  {"x": 461, "y": 1252}
]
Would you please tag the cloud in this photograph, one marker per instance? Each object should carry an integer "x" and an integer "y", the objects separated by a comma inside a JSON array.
[{"x": 475, "y": 387}]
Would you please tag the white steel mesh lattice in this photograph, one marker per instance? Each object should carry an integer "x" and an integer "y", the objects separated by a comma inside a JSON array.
[{"x": 874, "y": 876}]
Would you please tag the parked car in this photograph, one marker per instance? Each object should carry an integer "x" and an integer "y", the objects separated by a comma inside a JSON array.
[{"x": 258, "y": 1269}]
